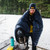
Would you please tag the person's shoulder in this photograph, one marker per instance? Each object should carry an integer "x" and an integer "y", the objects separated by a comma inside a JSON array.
[
  {"x": 25, "y": 15},
  {"x": 26, "y": 12},
  {"x": 37, "y": 12}
]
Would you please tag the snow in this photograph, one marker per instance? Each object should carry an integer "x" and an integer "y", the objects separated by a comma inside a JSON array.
[
  {"x": 45, "y": 36},
  {"x": 7, "y": 26}
]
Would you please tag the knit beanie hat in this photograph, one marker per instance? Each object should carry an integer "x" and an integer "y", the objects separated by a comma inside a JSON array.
[{"x": 32, "y": 6}]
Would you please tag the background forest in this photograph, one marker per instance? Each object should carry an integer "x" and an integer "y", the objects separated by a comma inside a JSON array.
[{"x": 18, "y": 7}]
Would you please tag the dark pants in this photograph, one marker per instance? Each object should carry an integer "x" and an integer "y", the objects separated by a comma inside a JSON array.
[{"x": 33, "y": 46}]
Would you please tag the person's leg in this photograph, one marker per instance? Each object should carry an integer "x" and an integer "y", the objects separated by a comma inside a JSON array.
[
  {"x": 27, "y": 40},
  {"x": 33, "y": 45}
]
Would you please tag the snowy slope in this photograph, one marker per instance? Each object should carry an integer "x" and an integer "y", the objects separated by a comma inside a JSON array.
[{"x": 7, "y": 26}]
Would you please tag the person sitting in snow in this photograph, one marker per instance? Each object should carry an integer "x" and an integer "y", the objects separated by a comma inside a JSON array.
[{"x": 30, "y": 24}]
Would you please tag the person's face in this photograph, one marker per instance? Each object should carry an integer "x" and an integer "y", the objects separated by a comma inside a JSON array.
[{"x": 32, "y": 11}]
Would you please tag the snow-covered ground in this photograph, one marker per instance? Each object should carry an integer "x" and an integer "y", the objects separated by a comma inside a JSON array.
[{"x": 7, "y": 26}]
